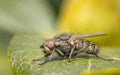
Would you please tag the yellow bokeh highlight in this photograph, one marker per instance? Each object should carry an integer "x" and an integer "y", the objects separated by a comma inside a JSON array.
[{"x": 90, "y": 16}]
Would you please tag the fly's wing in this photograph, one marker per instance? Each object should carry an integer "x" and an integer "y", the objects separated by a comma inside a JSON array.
[{"x": 89, "y": 35}]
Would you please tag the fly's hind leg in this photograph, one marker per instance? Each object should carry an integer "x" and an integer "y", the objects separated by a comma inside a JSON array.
[
  {"x": 95, "y": 51},
  {"x": 103, "y": 58}
]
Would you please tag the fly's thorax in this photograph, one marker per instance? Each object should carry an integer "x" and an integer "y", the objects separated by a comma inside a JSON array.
[
  {"x": 78, "y": 44},
  {"x": 62, "y": 45},
  {"x": 62, "y": 37}
]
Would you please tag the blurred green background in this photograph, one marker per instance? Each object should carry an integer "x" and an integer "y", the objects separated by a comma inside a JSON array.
[
  {"x": 45, "y": 17},
  {"x": 24, "y": 16}
]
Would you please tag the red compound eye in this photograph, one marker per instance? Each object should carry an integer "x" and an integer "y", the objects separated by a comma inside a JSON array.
[{"x": 50, "y": 44}]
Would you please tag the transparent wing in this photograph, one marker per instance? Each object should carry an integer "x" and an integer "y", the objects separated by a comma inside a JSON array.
[{"x": 90, "y": 35}]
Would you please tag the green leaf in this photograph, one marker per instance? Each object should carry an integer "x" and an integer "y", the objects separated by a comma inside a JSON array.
[{"x": 24, "y": 48}]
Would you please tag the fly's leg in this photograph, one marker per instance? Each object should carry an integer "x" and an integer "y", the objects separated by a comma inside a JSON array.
[
  {"x": 50, "y": 57},
  {"x": 38, "y": 59},
  {"x": 43, "y": 62},
  {"x": 103, "y": 58},
  {"x": 71, "y": 54},
  {"x": 60, "y": 53}
]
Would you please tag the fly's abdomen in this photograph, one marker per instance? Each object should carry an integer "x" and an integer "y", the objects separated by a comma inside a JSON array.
[
  {"x": 86, "y": 46},
  {"x": 92, "y": 49}
]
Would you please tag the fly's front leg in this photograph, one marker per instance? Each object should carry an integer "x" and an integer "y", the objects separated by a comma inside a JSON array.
[
  {"x": 38, "y": 59},
  {"x": 48, "y": 59},
  {"x": 60, "y": 53},
  {"x": 43, "y": 62}
]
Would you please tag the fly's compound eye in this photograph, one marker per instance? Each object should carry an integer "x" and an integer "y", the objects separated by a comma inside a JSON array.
[{"x": 50, "y": 44}]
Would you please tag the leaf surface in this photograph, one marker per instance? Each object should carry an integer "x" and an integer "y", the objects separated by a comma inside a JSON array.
[{"x": 24, "y": 48}]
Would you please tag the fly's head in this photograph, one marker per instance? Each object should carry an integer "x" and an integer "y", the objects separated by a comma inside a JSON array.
[{"x": 48, "y": 47}]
